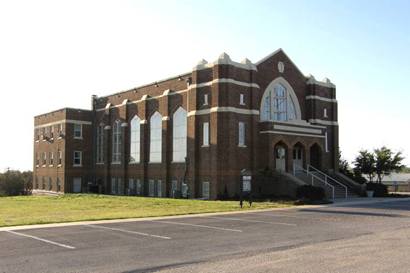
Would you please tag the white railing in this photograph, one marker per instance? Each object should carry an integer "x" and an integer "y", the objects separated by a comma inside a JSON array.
[
  {"x": 327, "y": 177},
  {"x": 313, "y": 176}
]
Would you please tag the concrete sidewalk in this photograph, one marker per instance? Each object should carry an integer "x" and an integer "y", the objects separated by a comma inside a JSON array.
[{"x": 337, "y": 203}]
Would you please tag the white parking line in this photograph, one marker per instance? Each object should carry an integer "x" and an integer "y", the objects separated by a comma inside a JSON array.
[
  {"x": 194, "y": 225},
  {"x": 129, "y": 231},
  {"x": 251, "y": 221},
  {"x": 40, "y": 239}
]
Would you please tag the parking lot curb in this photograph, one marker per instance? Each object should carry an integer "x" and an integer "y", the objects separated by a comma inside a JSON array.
[{"x": 124, "y": 220}]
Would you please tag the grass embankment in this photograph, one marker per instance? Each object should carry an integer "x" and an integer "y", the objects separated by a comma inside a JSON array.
[{"x": 27, "y": 210}]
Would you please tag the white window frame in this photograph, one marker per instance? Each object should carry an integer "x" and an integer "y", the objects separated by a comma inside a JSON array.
[
  {"x": 206, "y": 102},
  {"x": 241, "y": 134},
  {"x": 116, "y": 142},
  {"x": 76, "y": 131},
  {"x": 135, "y": 140},
  {"x": 155, "y": 143},
  {"x": 241, "y": 99},
  {"x": 80, "y": 157},
  {"x": 179, "y": 135},
  {"x": 205, "y": 134}
]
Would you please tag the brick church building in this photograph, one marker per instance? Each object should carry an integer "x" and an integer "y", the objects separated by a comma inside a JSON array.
[{"x": 192, "y": 135}]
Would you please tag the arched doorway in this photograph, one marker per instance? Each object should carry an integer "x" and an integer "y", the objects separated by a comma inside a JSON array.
[
  {"x": 316, "y": 156},
  {"x": 298, "y": 157},
  {"x": 280, "y": 158}
]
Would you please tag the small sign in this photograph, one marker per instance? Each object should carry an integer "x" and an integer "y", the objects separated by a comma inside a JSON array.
[{"x": 246, "y": 183}]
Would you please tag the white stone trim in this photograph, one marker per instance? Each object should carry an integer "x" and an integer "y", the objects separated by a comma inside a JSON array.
[
  {"x": 199, "y": 85},
  {"x": 324, "y": 122},
  {"x": 314, "y": 97},
  {"x": 297, "y": 129},
  {"x": 273, "y": 54},
  {"x": 223, "y": 109},
  {"x": 165, "y": 118},
  {"x": 326, "y": 83},
  {"x": 225, "y": 59},
  {"x": 300, "y": 122},
  {"x": 72, "y": 121},
  {"x": 223, "y": 80},
  {"x": 289, "y": 133},
  {"x": 143, "y": 121}
]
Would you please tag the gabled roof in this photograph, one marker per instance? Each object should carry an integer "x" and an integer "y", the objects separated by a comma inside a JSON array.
[{"x": 276, "y": 52}]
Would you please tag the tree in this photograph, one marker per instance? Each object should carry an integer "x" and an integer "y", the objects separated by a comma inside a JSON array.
[
  {"x": 15, "y": 182},
  {"x": 344, "y": 167},
  {"x": 386, "y": 162},
  {"x": 365, "y": 163}
]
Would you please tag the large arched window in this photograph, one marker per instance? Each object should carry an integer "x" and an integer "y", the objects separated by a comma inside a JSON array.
[
  {"x": 135, "y": 140},
  {"x": 155, "y": 147},
  {"x": 278, "y": 103},
  {"x": 116, "y": 142},
  {"x": 179, "y": 144}
]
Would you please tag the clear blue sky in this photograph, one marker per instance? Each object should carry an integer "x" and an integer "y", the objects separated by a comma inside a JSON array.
[{"x": 58, "y": 53}]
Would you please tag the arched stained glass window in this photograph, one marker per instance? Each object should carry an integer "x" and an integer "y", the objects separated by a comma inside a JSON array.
[
  {"x": 179, "y": 136},
  {"x": 278, "y": 105},
  {"x": 155, "y": 148},
  {"x": 135, "y": 140}
]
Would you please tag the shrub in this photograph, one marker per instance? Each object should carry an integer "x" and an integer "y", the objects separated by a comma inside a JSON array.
[
  {"x": 310, "y": 192},
  {"x": 380, "y": 190}
]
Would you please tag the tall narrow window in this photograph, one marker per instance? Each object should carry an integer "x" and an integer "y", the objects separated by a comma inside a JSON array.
[
  {"x": 113, "y": 185},
  {"x": 179, "y": 141},
  {"x": 77, "y": 160},
  {"x": 116, "y": 142},
  {"x": 100, "y": 144},
  {"x": 325, "y": 112},
  {"x": 37, "y": 159},
  {"x": 51, "y": 131},
  {"x": 241, "y": 133},
  {"x": 155, "y": 148},
  {"x": 135, "y": 140},
  {"x": 205, "y": 99},
  {"x": 51, "y": 158},
  {"x": 78, "y": 132},
  {"x": 241, "y": 99},
  {"x": 44, "y": 159},
  {"x": 205, "y": 134},
  {"x": 60, "y": 157},
  {"x": 60, "y": 130}
]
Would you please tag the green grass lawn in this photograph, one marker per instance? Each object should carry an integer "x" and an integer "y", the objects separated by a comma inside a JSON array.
[{"x": 26, "y": 210}]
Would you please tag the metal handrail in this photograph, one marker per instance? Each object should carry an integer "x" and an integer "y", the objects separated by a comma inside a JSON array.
[
  {"x": 318, "y": 178},
  {"x": 327, "y": 176}
]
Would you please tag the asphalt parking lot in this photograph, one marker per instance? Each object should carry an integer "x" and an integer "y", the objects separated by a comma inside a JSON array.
[{"x": 191, "y": 243}]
